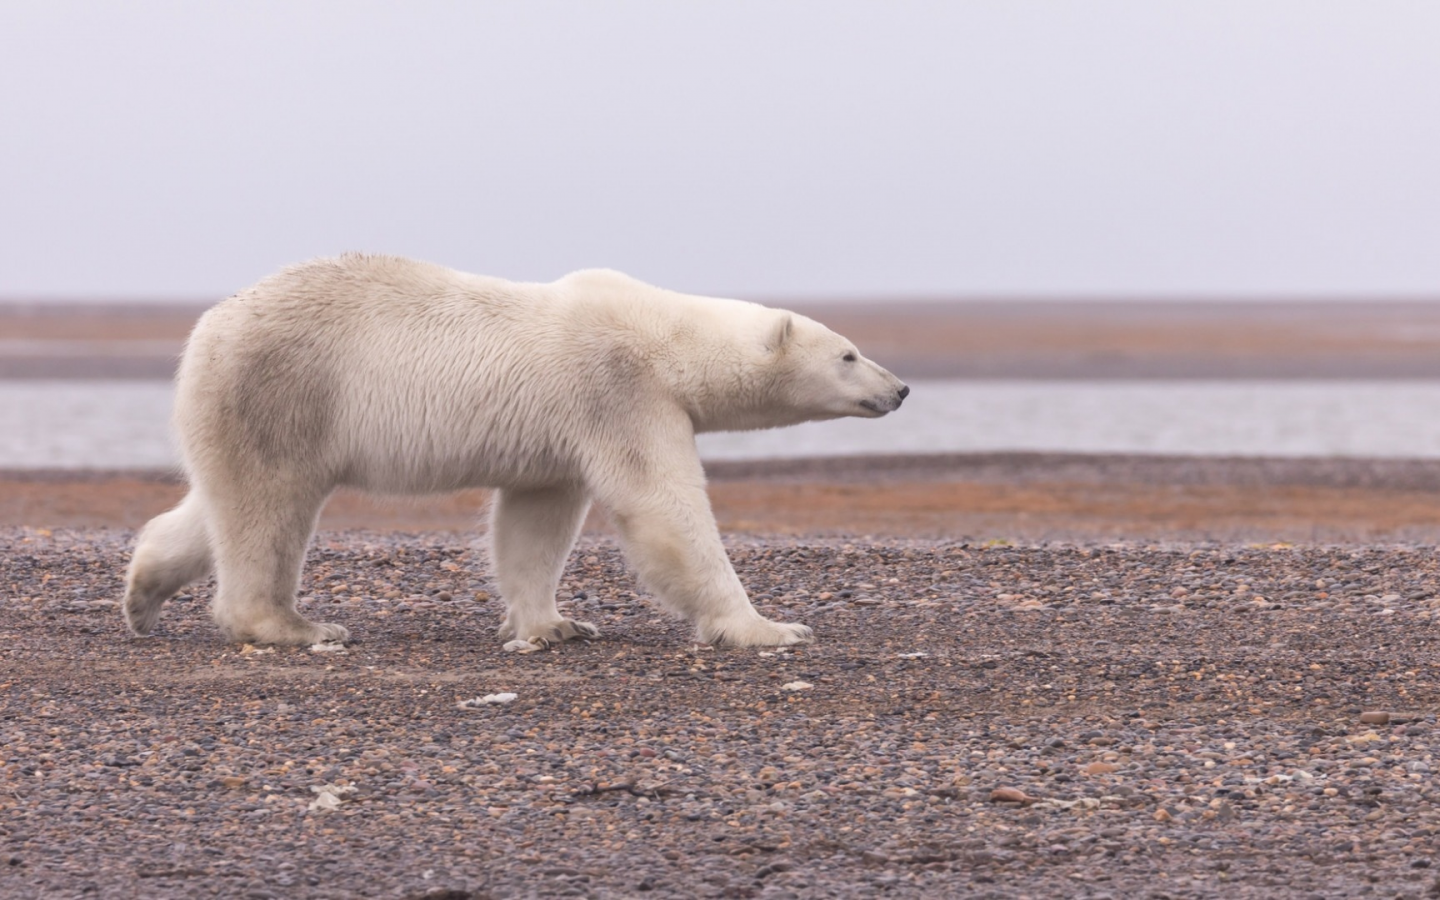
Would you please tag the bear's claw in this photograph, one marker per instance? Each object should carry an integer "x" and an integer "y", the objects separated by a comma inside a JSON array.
[
  {"x": 549, "y": 635},
  {"x": 758, "y": 633}
]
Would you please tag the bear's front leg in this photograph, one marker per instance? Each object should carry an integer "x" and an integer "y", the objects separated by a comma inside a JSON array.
[
  {"x": 531, "y": 533},
  {"x": 672, "y": 540}
]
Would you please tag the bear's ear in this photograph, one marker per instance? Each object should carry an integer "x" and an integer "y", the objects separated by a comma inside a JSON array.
[{"x": 780, "y": 334}]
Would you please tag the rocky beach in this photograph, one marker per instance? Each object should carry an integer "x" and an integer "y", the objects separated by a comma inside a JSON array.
[{"x": 1034, "y": 675}]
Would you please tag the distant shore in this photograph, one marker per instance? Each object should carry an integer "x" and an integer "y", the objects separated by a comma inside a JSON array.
[{"x": 1092, "y": 339}]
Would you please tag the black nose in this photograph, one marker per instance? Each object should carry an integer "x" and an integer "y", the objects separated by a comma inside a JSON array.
[{"x": 904, "y": 391}]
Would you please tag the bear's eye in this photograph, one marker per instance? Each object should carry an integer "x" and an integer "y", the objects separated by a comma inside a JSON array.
[{"x": 849, "y": 357}]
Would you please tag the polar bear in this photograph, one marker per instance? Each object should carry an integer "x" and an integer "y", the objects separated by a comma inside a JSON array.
[{"x": 397, "y": 376}]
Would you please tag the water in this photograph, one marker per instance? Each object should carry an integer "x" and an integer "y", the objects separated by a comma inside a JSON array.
[
  {"x": 73, "y": 424},
  {"x": 85, "y": 424}
]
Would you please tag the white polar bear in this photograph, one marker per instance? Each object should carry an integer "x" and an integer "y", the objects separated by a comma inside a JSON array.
[{"x": 398, "y": 376}]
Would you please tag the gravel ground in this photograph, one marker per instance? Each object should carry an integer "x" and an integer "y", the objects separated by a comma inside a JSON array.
[{"x": 1168, "y": 720}]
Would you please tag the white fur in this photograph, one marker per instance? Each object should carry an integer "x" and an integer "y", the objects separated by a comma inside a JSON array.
[{"x": 403, "y": 377}]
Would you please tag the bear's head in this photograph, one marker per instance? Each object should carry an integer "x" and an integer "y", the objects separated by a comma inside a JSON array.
[
  {"x": 734, "y": 365},
  {"x": 816, "y": 374}
]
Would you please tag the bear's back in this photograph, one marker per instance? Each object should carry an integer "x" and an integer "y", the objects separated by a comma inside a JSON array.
[{"x": 401, "y": 373}]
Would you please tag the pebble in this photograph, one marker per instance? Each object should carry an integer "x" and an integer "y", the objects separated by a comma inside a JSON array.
[{"x": 1010, "y": 795}]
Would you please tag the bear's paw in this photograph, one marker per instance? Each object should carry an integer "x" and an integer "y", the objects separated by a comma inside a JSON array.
[
  {"x": 756, "y": 632},
  {"x": 547, "y": 635}
]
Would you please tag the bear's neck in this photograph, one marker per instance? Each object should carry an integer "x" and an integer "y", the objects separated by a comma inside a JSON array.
[{"x": 713, "y": 373}]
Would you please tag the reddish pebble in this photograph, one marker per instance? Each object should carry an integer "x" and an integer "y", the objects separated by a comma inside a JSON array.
[{"x": 1010, "y": 795}]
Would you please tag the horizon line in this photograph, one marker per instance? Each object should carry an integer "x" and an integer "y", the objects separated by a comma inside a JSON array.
[{"x": 12, "y": 302}]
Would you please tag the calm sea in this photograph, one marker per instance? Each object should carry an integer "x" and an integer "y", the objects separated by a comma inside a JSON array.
[{"x": 124, "y": 424}]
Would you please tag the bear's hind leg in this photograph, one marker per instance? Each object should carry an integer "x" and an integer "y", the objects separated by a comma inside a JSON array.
[
  {"x": 260, "y": 533},
  {"x": 531, "y": 533},
  {"x": 171, "y": 551}
]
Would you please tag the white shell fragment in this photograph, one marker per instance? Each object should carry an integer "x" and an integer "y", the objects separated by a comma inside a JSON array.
[
  {"x": 330, "y": 796},
  {"x": 327, "y": 647},
  {"x": 797, "y": 686},
  {"x": 487, "y": 700}
]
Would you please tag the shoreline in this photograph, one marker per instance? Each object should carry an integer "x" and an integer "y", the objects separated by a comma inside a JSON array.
[{"x": 1018, "y": 497}]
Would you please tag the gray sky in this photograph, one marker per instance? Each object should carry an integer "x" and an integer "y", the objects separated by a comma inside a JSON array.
[{"x": 1231, "y": 147}]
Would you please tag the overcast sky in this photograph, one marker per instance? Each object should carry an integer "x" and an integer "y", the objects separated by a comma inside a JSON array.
[{"x": 1230, "y": 147}]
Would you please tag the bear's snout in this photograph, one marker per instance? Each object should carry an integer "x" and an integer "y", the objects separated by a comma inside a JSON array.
[{"x": 881, "y": 404}]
